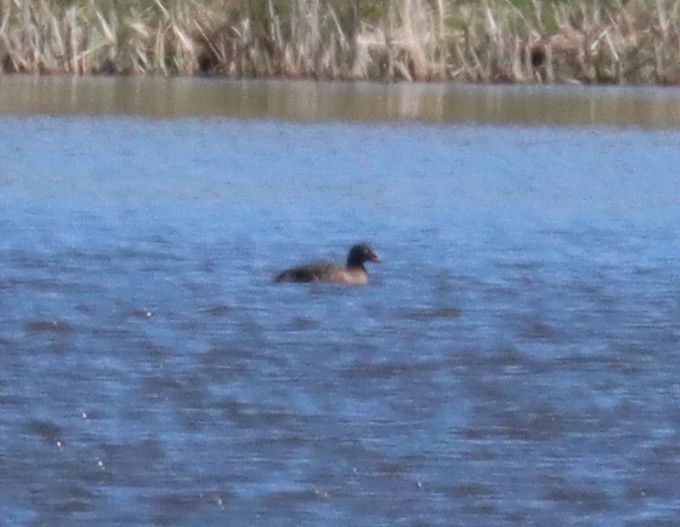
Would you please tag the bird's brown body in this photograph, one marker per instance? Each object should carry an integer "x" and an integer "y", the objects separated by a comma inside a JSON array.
[{"x": 354, "y": 273}]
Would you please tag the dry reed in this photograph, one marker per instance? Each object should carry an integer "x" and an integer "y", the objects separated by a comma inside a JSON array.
[{"x": 606, "y": 41}]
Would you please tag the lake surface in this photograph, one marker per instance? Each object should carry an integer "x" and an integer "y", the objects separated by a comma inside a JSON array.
[
  {"x": 514, "y": 361},
  {"x": 650, "y": 107}
]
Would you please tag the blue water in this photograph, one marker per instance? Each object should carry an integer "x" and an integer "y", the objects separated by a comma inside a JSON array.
[{"x": 514, "y": 361}]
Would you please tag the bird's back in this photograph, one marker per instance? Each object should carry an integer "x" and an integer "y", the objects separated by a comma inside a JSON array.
[{"x": 313, "y": 272}]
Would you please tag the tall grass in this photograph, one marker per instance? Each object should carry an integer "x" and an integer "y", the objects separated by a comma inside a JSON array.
[{"x": 605, "y": 41}]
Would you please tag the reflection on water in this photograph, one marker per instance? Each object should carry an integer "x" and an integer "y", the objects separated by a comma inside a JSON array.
[
  {"x": 354, "y": 101},
  {"x": 513, "y": 362}
]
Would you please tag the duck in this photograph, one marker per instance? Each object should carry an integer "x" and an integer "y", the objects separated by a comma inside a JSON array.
[{"x": 354, "y": 273}]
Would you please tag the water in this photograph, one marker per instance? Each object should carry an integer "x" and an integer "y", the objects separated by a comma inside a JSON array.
[
  {"x": 513, "y": 362},
  {"x": 650, "y": 107}
]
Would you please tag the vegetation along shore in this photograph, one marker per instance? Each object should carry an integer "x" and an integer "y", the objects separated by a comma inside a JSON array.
[{"x": 481, "y": 41}]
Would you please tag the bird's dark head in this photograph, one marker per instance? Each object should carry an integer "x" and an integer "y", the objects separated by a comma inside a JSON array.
[{"x": 361, "y": 253}]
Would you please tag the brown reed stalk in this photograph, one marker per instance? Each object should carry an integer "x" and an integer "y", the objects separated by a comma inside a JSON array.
[{"x": 612, "y": 41}]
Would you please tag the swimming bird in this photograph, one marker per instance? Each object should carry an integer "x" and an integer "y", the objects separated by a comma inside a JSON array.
[{"x": 354, "y": 273}]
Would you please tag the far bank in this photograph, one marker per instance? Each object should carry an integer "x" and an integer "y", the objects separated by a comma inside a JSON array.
[{"x": 494, "y": 41}]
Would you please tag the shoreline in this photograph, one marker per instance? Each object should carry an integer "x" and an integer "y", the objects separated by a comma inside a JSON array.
[
  {"x": 307, "y": 101},
  {"x": 485, "y": 42}
]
